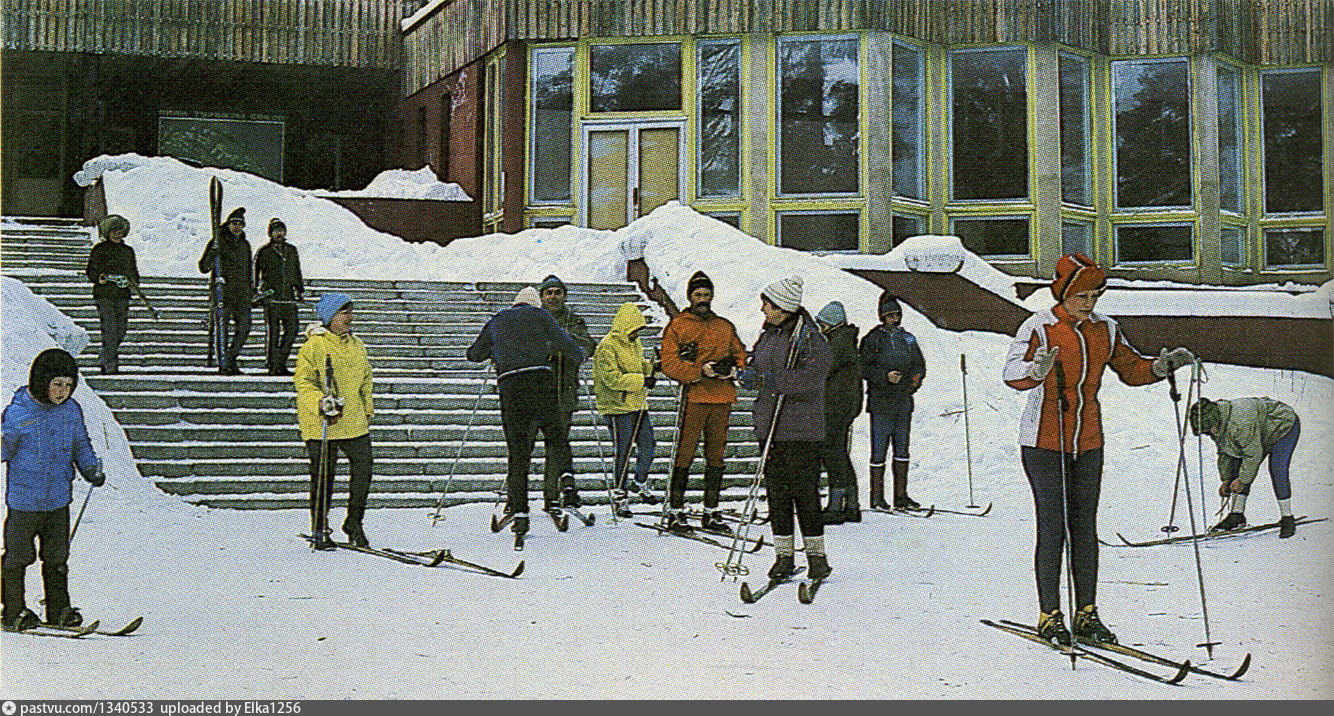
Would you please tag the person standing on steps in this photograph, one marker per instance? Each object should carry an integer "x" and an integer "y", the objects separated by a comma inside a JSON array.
[
  {"x": 552, "y": 291},
  {"x": 278, "y": 276},
  {"x": 842, "y": 404},
  {"x": 893, "y": 367},
  {"x": 114, "y": 273},
  {"x": 792, "y": 465},
  {"x": 44, "y": 440},
  {"x": 232, "y": 262},
  {"x": 520, "y": 342},
  {"x": 1071, "y": 345},
  {"x": 1246, "y": 431},
  {"x": 346, "y": 409},
  {"x": 622, "y": 377},
  {"x": 701, "y": 351}
]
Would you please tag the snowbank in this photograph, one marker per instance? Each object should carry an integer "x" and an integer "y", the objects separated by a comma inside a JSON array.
[{"x": 404, "y": 184}]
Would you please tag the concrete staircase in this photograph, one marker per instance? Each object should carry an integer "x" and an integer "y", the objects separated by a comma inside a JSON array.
[{"x": 232, "y": 441}]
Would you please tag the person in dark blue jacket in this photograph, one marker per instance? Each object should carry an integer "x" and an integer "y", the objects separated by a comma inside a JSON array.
[
  {"x": 44, "y": 438},
  {"x": 521, "y": 341},
  {"x": 893, "y": 367}
]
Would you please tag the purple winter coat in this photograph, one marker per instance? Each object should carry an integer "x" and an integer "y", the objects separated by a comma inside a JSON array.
[{"x": 802, "y": 418}]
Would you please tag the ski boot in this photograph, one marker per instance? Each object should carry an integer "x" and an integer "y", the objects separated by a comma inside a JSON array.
[
  {"x": 55, "y": 582},
  {"x": 784, "y": 567},
  {"x": 68, "y": 617},
  {"x": 569, "y": 496},
  {"x": 646, "y": 495},
  {"x": 1051, "y": 626},
  {"x": 1234, "y": 520},
  {"x": 355, "y": 534},
  {"x": 817, "y": 566},
  {"x": 878, "y": 488},
  {"x": 675, "y": 520},
  {"x": 901, "y": 499},
  {"x": 620, "y": 504},
  {"x": 1287, "y": 526},
  {"x": 322, "y": 540},
  {"x": 1088, "y": 627},
  {"x": 835, "y": 513},
  {"x": 22, "y": 621},
  {"x": 712, "y": 521},
  {"x": 520, "y": 523}
]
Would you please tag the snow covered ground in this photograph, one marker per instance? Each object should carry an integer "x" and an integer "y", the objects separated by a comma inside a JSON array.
[{"x": 235, "y": 606}]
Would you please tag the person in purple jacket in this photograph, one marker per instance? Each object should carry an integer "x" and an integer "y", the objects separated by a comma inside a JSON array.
[
  {"x": 792, "y": 468},
  {"x": 44, "y": 438}
]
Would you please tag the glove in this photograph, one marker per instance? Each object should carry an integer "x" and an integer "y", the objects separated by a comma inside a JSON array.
[
  {"x": 1168, "y": 362},
  {"x": 650, "y": 380},
  {"x": 95, "y": 476},
  {"x": 331, "y": 407},
  {"x": 724, "y": 366},
  {"x": 688, "y": 351},
  {"x": 1043, "y": 360},
  {"x": 117, "y": 279},
  {"x": 1224, "y": 489},
  {"x": 750, "y": 379}
]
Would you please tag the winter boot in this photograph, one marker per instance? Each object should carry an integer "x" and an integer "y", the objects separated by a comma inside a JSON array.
[
  {"x": 322, "y": 540},
  {"x": 12, "y": 593},
  {"x": 901, "y": 499},
  {"x": 712, "y": 521},
  {"x": 783, "y": 568},
  {"x": 852, "y": 512},
  {"x": 1287, "y": 526},
  {"x": 675, "y": 520},
  {"x": 1051, "y": 626},
  {"x": 878, "y": 488},
  {"x": 677, "y": 489},
  {"x": 55, "y": 579},
  {"x": 646, "y": 494},
  {"x": 25, "y": 619},
  {"x": 569, "y": 496},
  {"x": 520, "y": 523},
  {"x": 1088, "y": 627},
  {"x": 713, "y": 485},
  {"x": 1234, "y": 520},
  {"x": 817, "y": 565},
  {"x": 355, "y": 535},
  {"x": 620, "y": 504},
  {"x": 836, "y": 512}
]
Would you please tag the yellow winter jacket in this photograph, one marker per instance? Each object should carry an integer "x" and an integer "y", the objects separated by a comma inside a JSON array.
[
  {"x": 619, "y": 366},
  {"x": 351, "y": 378}
]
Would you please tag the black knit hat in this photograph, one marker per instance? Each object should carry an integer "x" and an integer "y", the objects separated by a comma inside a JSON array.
[
  {"x": 50, "y": 363},
  {"x": 274, "y": 223},
  {"x": 238, "y": 214},
  {"x": 552, "y": 281},
  {"x": 889, "y": 303},
  {"x": 698, "y": 280}
]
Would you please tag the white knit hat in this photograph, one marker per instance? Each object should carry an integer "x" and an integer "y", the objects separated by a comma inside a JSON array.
[
  {"x": 785, "y": 293},
  {"x": 528, "y": 295}
]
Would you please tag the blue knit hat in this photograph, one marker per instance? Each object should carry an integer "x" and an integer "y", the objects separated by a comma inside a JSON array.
[
  {"x": 832, "y": 315},
  {"x": 331, "y": 303}
]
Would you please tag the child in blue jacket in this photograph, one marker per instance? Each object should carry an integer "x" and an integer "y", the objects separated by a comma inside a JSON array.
[{"x": 44, "y": 438}]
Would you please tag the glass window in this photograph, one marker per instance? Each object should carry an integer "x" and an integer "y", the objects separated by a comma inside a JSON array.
[
  {"x": 731, "y": 218},
  {"x": 990, "y": 130},
  {"x": 819, "y": 231},
  {"x": 1295, "y": 247},
  {"x": 1076, "y": 237},
  {"x": 904, "y": 226},
  {"x": 1233, "y": 249},
  {"x": 994, "y": 237},
  {"x": 549, "y": 222},
  {"x": 719, "y": 118},
  {"x": 635, "y": 77},
  {"x": 818, "y": 124},
  {"x": 1292, "y": 140},
  {"x": 909, "y": 123},
  {"x": 1152, "y": 132},
  {"x": 1155, "y": 242},
  {"x": 1229, "y": 140},
  {"x": 1073, "y": 80},
  {"x": 553, "y": 123}
]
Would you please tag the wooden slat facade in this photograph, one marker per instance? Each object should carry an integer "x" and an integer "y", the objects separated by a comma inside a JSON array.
[{"x": 335, "y": 33}]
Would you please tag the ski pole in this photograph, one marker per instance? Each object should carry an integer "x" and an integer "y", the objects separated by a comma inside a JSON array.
[
  {"x": 967, "y": 440},
  {"x": 682, "y": 391},
  {"x": 79, "y": 519},
  {"x": 1061, "y": 405},
  {"x": 1181, "y": 453},
  {"x": 602, "y": 456},
  {"x": 437, "y": 517},
  {"x": 1197, "y": 376},
  {"x": 1190, "y": 508}
]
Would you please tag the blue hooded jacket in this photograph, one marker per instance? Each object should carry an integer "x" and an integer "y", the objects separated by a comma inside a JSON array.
[{"x": 42, "y": 443}]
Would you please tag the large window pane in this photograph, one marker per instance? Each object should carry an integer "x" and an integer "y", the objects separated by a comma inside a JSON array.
[
  {"x": 990, "y": 124},
  {"x": 1295, "y": 247},
  {"x": 1233, "y": 246},
  {"x": 635, "y": 78},
  {"x": 553, "y": 123},
  {"x": 818, "y": 130},
  {"x": 1077, "y": 238},
  {"x": 1229, "y": 140},
  {"x": 903, "y": 226},
  {"x": 1073, "y": 73},
  {"x": 909, "y": 135},
  {"x": 822, "y": 231},
  {"x": 1159, "y": 242},
  {"x": 720, "y": 118},
  {"x": 1292, "y": 140},
  {"x": 994, "y": 237},
  {"x": 1152, "y": 133}
]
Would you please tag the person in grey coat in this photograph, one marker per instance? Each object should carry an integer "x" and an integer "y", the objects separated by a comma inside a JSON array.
[
  {"x": 792, "y": 468},
  {"x": 1246, "y": 431}
]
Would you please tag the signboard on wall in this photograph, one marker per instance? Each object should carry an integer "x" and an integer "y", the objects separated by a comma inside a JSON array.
[{"x": 245, "y": 142}]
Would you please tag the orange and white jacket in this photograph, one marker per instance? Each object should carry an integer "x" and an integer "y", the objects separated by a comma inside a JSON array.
[{"x": 1086, "y": 349}]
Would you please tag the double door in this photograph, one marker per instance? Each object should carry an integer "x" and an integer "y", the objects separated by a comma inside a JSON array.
[{"x": 630, "y": 169}]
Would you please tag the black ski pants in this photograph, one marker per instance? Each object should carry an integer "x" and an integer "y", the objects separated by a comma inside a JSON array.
[
  {"x": 358, "y": 452},
  {"x": 232, "y": 312},
  {"x": 835, "y": 455},
  {"x": 1083, "y": 474},
  {"x": 114, "y": 315},
  {"x": 280, "y": 331},
  {"x": 792, "y": 482},
  {"x": 528, "y": 403},
  {"x": 51, "y": 529}
]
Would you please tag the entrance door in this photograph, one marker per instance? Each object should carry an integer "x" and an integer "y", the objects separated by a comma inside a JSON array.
[{"x": 630, "y": 170}]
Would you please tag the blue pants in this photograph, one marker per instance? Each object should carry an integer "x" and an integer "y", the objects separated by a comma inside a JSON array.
[
  {"x": 114, "y": 315},
  {"x": 1280, "y": 457},
  {"x": 623, "y": 433},
  {"x": 890, "y": 425},
  {"x": 1083, "y": 484}
]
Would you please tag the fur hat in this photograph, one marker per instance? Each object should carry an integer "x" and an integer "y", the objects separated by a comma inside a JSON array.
[
  {"x": 528, "y": 295},
  {"x": 274, "y": 223},
  {"x": 551, "y": 282},
  {"x": 832, "y": 315},
  {"x": 785, "y": 293},
  {"x": 329, "y": 304},
  {"x": 1204, "y": 415},
  {"x": 698, "y": 280},
  {"x": 238, "y": 214},
  {"x": 1076, "y": 273},
  {"x": 50, "y": 363},
  {"x": 112, "y": 223},
  {"x": 889, "y": 303}
]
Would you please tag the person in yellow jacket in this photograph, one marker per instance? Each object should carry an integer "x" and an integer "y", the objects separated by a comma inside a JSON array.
[
  {"x": 622, "y": 378},
  {"x": 333, "y": 403}
]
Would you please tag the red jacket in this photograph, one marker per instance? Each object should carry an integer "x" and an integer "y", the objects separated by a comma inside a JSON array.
[
  {"x": 1086, "y": 349},
  {"x": 715, "y": 338}
]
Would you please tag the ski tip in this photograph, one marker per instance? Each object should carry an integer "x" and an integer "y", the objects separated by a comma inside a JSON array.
[
  {"x": 804, "y": 594},
  {"x": 132, "y": 626},
  {"x": 438, "y": 559},
  {"x": 746, "y": 595},
  {"x": 1181, "y": 673},
  {"x": 1245, "y": 664},
  {"x": 517, "y": 570},
  {"x": 495, "y": 524}
]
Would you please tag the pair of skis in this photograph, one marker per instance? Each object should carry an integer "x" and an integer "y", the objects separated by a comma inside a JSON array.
[
  {"x": 694, "y": 533},
  {"x": 78, "y": 632},
  {"x": 1210, "y": 536},
  {"x": 431, "y": 558},
  {"x": 805, "y": 590}
]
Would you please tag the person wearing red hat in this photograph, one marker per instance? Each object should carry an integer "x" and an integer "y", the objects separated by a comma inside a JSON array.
[{"x": 1059, "y": 355}]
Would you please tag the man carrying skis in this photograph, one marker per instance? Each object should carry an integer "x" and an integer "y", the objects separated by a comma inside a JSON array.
[
  {"x": 701, "y": 351},
  {"x": 334, "y": 409},
  {"x": 1246, "y": 431},
  {"x": 552, "y": 291},
  {"x": 1060, "y": 432},
  {"x": 791, "y": 359},
  {"x": 44, "y": 440},
  {"x": 278, "y": 275},
  {"x": 231, "y": 261},
  {"x": 842, "y": 403},
  {"x": 622, "y": 377},
  {"x": 521, "y": 341},
  {"x": 114, "y": 273}
]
